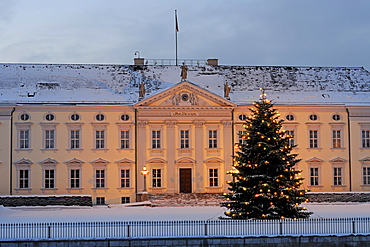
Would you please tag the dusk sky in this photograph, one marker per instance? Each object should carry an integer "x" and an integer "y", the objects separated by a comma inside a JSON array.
[{"x": 237, "y": 32}]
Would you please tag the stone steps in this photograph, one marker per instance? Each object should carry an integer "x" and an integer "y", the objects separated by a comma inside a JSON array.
[{"x": 185, "y": 199}]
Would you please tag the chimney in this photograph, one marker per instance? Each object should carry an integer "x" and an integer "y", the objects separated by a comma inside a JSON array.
[
  {"x": 138, "y": 61},
  {"x": 212, "y": 61}
]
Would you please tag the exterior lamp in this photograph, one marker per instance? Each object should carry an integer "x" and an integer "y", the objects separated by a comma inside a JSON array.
[{"x": 144, "y": 172}]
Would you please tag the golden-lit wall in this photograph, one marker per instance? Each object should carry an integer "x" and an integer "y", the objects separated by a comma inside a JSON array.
[
  {"x": 360, "y": 156},
  {"x": 5, "y": 148},
  {"x": 62, "y": 157},
  {"x": 347, "y": 154}
]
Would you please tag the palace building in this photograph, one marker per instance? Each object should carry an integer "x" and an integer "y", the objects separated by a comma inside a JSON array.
[{"x": 116, "y": 132}]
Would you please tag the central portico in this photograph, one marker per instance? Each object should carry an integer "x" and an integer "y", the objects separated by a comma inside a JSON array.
[{"x": 183, "y": 139}]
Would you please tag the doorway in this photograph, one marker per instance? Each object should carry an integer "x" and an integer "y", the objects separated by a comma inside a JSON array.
[{"x": 185, "y": 180}]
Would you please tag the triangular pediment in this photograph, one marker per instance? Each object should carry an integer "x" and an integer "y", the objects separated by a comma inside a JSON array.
[
  {"x": 23, "y": 161},
  {"x": 74, "y": 161},
  {"x": 99, "y": 161},
  {"x": 366, "y": 159},
  {"x": 125, "y": 161},
  {"x": 185, "y": 94},
  {"x": 48, "y": 161},
  {"x": 315, "y": 159}
]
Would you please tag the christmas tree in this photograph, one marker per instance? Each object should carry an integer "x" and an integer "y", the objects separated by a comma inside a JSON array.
[{"x": 265, "y": 183}]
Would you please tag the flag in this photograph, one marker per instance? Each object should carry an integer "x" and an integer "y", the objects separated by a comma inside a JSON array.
[{"x": 177, "y": 24}]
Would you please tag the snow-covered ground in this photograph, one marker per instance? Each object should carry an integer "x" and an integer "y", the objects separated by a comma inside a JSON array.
[{"x": 140, "y": 213}]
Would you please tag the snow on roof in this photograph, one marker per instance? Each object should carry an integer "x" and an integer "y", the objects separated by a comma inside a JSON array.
[{"x": 119, "y": 84}]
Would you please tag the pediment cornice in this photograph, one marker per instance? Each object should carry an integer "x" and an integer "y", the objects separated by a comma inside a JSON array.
[{"x": 185, "y": 94}]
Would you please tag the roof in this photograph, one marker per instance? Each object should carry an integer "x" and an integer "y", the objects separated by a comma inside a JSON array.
[{"x": 119, "y": 84}]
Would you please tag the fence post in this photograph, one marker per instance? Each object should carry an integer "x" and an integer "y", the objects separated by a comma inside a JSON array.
[
  {"x": 128, "y": 230},
  {"x": 353, "y": 227},
  {"x": 281, "y": 228},
  {"x": 205, "y": 229},
  {"x": 49, "y": 231}
]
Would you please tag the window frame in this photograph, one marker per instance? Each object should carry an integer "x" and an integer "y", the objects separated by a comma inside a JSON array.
[
  {"x": 100, "y": 139},
  {"x": 366, "y": 177},
  {"x": 73, "y": 115},
  {"x": 337, "y": 177},
  {"x": 74, "y": 164},
  {"x": 125, "y": 199},
  {"x": 48, "y": 115},
  {"x": 313, "y": 138},
  {"x": 74, "y": 127},
  {"x": 24, "y": 143},
  {"x": 100, "y": 200},
  {"x": 73, "y": 180},
  {"x": 212, "y": 138},
  {"x": 240, "y": 133},
  {"x": 157, "y": 176},
  {"x": 125, "y": 178},
  {"x": 156, "y": 139},
  {"x": 125, "y": 139},
  {"x": 213, "y": 177},
  {"x": 336, "y": 140},
  {"x": 365, "y": 138},
  {"x": 100, "y": 117},
  {"x": 184, "y": 138},
  {"x": 314, "y": 178},
  {"x": 49, "y": 181},
  {"x": 19, "y": 179},
  {"x": 100, "y": 178}
]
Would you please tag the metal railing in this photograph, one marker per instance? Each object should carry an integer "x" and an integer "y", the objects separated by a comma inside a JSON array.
[
  {"x": 214, "y": 228},
  {"x": 173, "y": 61}
]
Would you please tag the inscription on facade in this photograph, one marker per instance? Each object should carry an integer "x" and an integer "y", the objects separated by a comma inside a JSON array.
[{"x": 184, "y": 114}]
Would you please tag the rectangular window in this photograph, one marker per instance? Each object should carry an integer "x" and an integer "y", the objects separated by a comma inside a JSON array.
[
  {"x": 213, "y": 177},
  {"x": 212, "y": 139},
  {"x": 125, "y": 200},
  {"x": 336, "y": 139},
  {"x": 49, "y": 178},
  {"x": 156, "y": 139},
  {"x": 157, "y": 178},
  {"x": 100, "y": 178},
  {"x": 75, "y": 139},
  {"x": 99, "y": 139},
  {"x": 125, "y": 139},
  {"x": 366, "y": 175},
  {"x": 75, "y": 178},
  {"x": 49, "y": 139},
  {"x": 184, "y": 138},
  {"x": 291, "y": 140},
  {"x": 314, "y": 176},
  {"x": 337, "y": 175},
  {"x": 23, "y": 179},
  {"x": 125, "y": 178},
  {"x": 100, "y": 200},
  {"x": 314, "y": 139},
  {"x": 366, "y": 138},
  {"x": 24, "y": 139},
  {"x": 242, "y": 133}
]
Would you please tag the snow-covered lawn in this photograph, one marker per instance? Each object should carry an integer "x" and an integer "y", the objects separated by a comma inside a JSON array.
[{"x": 140, "y": 213}]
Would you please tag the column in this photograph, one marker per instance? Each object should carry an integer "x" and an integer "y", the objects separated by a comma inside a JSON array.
[
  {"x": 171, "y": 151},
  {"x": 142, "y": 154},
  {"x": 199, "y": 157},
  {"x": 227, "y": 147}
]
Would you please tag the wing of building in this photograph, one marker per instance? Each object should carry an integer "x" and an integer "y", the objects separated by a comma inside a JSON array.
[{"x": 91, "y": 129}]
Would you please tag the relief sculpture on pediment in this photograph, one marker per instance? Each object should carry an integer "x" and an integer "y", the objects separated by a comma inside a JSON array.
[{"x": 184, "y": 99}]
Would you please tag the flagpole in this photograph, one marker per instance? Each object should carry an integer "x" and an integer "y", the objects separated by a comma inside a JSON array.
[{"x": 176, "y": 31}]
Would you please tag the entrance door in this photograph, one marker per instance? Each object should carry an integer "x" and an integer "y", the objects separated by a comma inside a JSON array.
[{"x": 185, "y": 180}]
